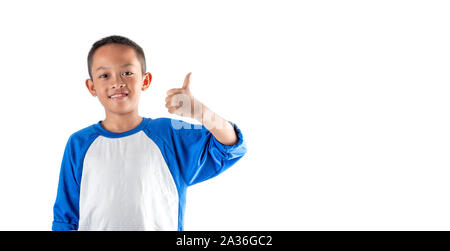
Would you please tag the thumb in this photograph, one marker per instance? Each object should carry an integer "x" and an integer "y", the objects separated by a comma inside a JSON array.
[{"x": 187, "y": 81}]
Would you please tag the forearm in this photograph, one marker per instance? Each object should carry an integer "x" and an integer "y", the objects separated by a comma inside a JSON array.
[{"x": 222, "y": 130}]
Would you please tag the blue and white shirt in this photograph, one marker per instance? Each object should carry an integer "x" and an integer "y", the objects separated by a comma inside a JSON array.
[{"x": 137, "y": 180}]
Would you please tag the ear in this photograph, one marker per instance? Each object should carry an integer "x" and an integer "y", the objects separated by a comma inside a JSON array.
[
  {"x": 91, "y": 87},
  {"x": 147, "y": 80}
]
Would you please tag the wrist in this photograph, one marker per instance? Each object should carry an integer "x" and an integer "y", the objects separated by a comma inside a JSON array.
[{"x": 197, "y": 110}]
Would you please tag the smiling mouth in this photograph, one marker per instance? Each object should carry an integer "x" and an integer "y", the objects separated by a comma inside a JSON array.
[{"x": 118, "y": 96}]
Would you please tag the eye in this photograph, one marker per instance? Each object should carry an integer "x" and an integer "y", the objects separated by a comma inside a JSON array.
[
  {"x": 127, "y": 73},
  {"x": 103, "y": 76}
]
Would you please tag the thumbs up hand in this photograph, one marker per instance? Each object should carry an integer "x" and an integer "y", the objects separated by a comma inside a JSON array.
[{"x": 181, "y": 102}]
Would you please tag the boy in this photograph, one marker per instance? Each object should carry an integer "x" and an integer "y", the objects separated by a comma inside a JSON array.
[{"x": 129, "y": 172}]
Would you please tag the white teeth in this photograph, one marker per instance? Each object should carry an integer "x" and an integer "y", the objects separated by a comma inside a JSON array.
[{"x": 118, "y": 95}]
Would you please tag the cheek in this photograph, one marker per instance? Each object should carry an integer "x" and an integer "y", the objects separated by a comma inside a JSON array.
[
  {"x": 135, "y": 88},
  {"x": 136, "y": 95},
  {"x": 102, "y": 95},
  {"x": 100, "y": 88}
]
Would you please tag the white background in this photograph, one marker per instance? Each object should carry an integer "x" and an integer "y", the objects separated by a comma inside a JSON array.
[{"x": 344, "y": 105}]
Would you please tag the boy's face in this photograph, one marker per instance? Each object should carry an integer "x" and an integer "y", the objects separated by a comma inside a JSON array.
[{"x": 117, "y": 78}]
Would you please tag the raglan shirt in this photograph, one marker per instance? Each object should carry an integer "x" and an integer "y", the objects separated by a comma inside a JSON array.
[{"x": 137, "y": 180}]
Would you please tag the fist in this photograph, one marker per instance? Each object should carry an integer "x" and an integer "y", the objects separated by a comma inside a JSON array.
[{"x": 180, "y": 101}]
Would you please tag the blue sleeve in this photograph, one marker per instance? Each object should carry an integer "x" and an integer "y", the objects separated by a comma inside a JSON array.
[
  {"x": 65, "y": 210},
  {"x": 66, "y": 207},
  {"x": 200, "y": 155}
]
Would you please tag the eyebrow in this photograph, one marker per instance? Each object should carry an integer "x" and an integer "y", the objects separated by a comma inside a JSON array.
[{"x": 104, "y": 67}]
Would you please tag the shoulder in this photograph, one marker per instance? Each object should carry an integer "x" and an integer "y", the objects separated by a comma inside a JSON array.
[
  {"x": 159, "y": 127},
  {"x": 83, "y": 137},
  {"x": 169, "y": 126},
  {"x": 159, "y": 122}
]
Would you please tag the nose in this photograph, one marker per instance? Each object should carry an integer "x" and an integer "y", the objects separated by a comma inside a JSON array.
[{"x": 120, "y": 83}]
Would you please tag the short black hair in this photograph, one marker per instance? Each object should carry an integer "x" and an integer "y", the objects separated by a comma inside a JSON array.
[{"x": 115, "y": 39}]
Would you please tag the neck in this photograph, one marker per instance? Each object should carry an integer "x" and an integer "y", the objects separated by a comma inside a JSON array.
[{"x": 121, "y": 122}]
